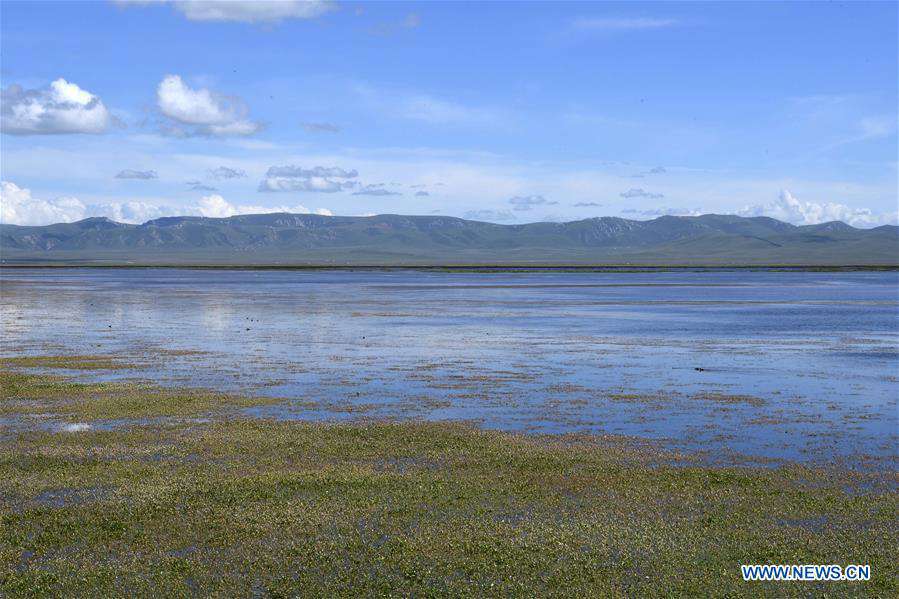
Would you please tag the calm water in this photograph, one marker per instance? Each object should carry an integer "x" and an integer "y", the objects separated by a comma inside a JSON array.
[{"x": 793, "y": 365}]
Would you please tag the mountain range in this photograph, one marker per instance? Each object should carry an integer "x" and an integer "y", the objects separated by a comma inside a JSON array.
[{"x": 387, "y": 239}]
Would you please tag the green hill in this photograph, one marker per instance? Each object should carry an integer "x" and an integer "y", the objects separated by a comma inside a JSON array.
[{"x": 272, "y": 239}]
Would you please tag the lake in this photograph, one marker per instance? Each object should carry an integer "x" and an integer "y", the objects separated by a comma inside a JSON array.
[{"x": 770, "y": 364}]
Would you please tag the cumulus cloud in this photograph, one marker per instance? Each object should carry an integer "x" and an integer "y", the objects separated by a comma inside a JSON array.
[
  {"x": 522, "y": 203},
  {"x": 133, "y": 174},
  {"x": 223, "y": 172},
  {"x": 421, "y": 194},
  {"x": 202, "y": 111},
  {"x": 489, "y": 215},
  {"x": 62, "y": 107},
  {"x": 132, "y": 212},
  {"x": 318, "y": 179},
  {"x": 320, "y": 128},
  {"x": 19, "y": 207},
  {"x": 790, "y": 209},
  {"x": 245, "y": 11},
  {"x": 215, "y": 206},
  {"x": 587, "y": 205},
  {"x": 640, "y": 193}
]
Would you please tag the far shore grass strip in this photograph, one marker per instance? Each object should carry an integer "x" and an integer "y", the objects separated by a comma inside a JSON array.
[{"x": 190, "y": 497}]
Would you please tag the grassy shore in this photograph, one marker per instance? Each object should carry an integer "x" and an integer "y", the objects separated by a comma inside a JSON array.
[{"x": 184, "y": 496}]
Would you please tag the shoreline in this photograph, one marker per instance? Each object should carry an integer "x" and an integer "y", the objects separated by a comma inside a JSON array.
[{"x": 332, "y": 406}]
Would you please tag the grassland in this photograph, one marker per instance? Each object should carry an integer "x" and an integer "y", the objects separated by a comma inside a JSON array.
[{"x": 120, "y": 489}]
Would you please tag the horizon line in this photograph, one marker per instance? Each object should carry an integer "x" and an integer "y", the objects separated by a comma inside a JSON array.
[{"x": 368, "y": 216}]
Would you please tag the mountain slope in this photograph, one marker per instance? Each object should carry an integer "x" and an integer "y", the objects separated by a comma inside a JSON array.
[{"x": 395, "y": 239}]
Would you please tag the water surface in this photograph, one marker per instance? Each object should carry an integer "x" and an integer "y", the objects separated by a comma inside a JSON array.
[{"x": 795, "y": 365}]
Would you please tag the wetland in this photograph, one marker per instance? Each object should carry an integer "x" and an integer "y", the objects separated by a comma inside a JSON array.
[{"x": 281, "y": 433}]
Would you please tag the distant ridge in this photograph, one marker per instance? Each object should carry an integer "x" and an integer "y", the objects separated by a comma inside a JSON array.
[{"x": 388, "y": 239}]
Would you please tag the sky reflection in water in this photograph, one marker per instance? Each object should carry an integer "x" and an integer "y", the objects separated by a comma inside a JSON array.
[{"x": 793, "y": 365}]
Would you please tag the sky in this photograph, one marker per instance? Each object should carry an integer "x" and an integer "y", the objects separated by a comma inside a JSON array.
[{"x": 504, "y": 112}]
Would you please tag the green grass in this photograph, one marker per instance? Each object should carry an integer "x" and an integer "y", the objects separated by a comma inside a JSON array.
[
  {"x": 92, "y": 401},
  {"x": 239, "y": 506},
  {"x": 90, "y": 362}
]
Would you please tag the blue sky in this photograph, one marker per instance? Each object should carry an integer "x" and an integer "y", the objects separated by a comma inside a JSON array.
[{"x": 509, "y": 112}]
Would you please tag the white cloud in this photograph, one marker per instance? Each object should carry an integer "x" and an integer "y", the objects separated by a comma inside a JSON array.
[
  {"x": 244, "y": 11},
  {"x": 315, "y": 184},
  {"x": 376, "y": 190},
  {"x": 318, "y": 179},
  {"x": 195, "y": 107},
  {"x": 202, "y": 111},
  {"x": 793, "y": 210},
  {"x": 62, "y": 107},
  {"x": 215, "y": 206},
  {"x": 129, "y": 173},
  {"x": 252, "y": 11},
  {"x": 640, "y": 193},
  {"x": 18, "y": 207},
  {"x": 132, "y": 212},
  {"x": 318, "y": 171}
]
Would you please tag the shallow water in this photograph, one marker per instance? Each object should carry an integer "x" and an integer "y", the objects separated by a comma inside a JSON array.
[{"x": 794, "y": 365}]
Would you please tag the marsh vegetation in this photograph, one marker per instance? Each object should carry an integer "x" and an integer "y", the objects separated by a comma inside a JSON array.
[{"x": 130, "y": 489}]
